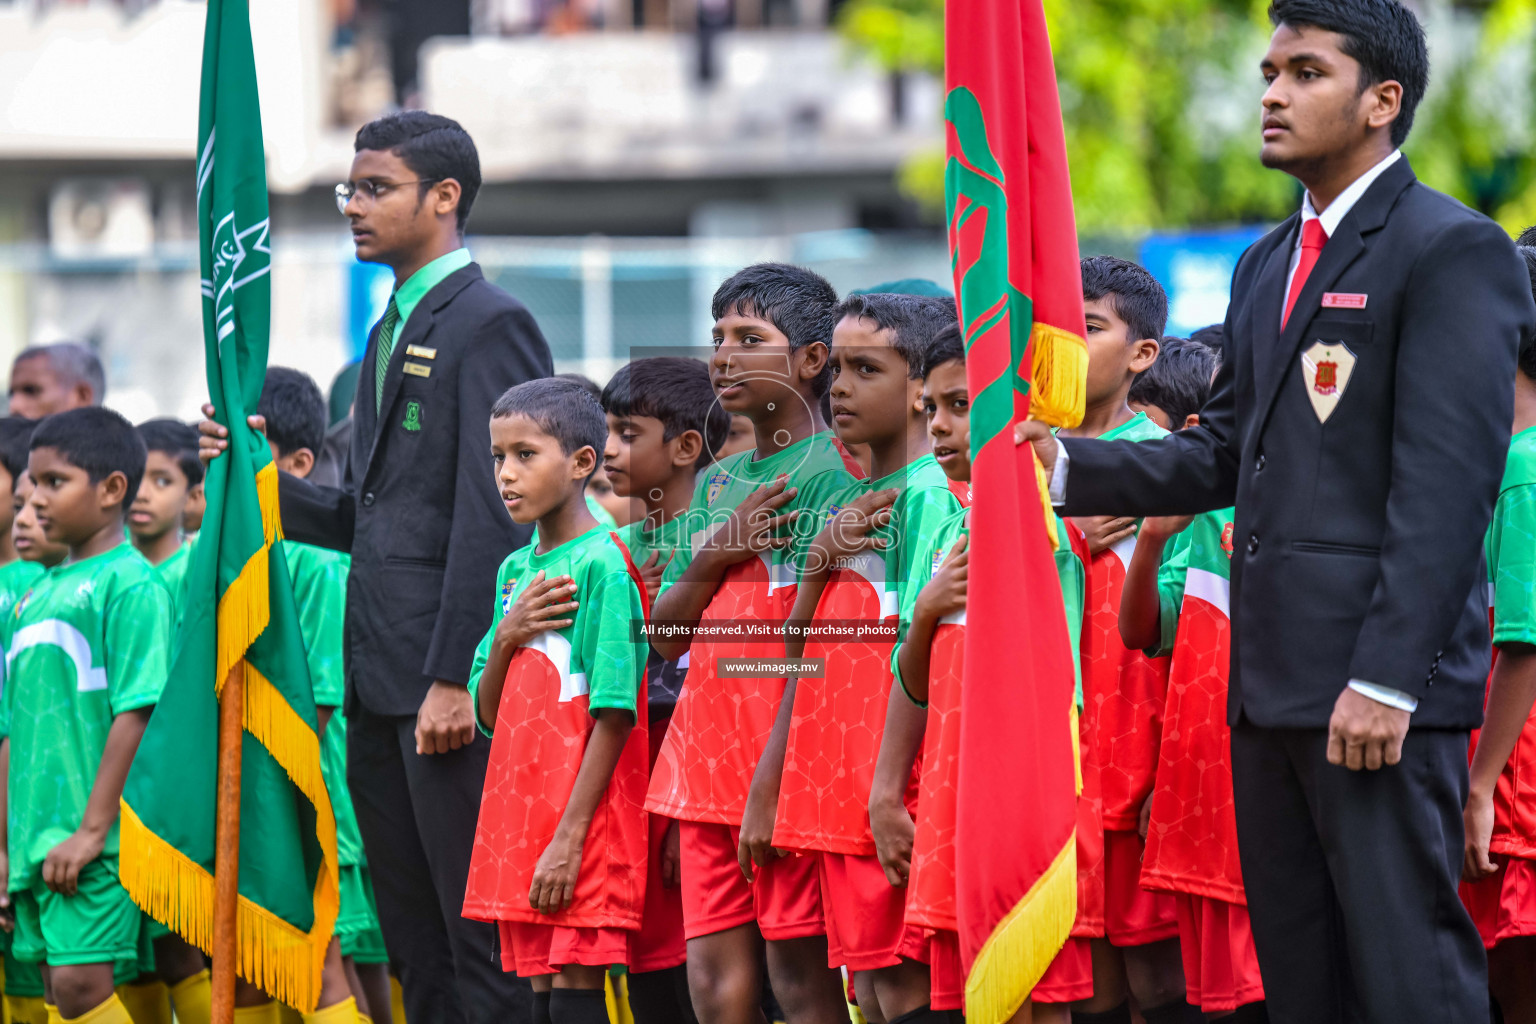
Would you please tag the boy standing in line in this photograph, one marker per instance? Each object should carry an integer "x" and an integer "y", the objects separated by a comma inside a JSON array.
[{"x": 171, "y": 471}]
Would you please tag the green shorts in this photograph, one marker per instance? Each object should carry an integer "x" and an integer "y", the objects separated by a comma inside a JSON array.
[
  {"x": 23, "y": 981},
  {"x": 357, "y": 923},
  {"x": 99, "y": 924}
]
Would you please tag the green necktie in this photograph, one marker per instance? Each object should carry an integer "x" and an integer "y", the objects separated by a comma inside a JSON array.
[{"x": 386, "y": 348}]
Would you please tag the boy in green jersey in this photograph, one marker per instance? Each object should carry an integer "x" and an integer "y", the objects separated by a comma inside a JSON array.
[
  {"x": 295, "y": 413},
  {"x": 663, "y": 422},
  {"x": 559, "y": 861},
  {"x": 88, "y": 656},
  {"x": 171, "y": 470},
  {"x": 751, "y": 517}
]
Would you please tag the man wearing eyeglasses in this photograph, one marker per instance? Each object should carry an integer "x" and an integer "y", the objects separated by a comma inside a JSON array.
[{"x": 419, "y": 511}]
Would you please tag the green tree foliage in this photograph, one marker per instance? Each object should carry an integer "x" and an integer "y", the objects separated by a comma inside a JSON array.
[{"x": 1160, "y": 100}]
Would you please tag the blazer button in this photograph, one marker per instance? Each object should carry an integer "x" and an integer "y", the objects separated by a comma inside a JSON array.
[
  {"x": 1253, "y": 543},
  {"x": 1258, "y": 463},
  {"x": 368, "y": 500}
]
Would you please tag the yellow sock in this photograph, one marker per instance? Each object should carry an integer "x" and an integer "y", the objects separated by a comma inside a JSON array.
[
  {"x": 149, "y": 1003},
  {"x": 266, "y": 1013},
  {"x": 53, "y": 1014},
  {"x": 192, "y": 999},
  {"x": 344, "y": 1012},
  {"x": 27, "y": 1009},
  {"x": 109, "y": 1011},
  {"x": 363, "y": 1018},
  {"x": 396, "y": 1001}
]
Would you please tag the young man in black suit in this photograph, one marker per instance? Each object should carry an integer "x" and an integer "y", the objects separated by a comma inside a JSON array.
[
  {"x": 419, "y": 511},
  {"x": 1359, "y": 424}
]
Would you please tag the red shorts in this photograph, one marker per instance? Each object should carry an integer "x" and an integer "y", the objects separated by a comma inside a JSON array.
[
  {"x": 1133, "y": 916},
  {"x": 1221, "y": 970},
  {"x": 1503, "y": 906},
  {"x": 785, "y": 901},
  {"x": 865, "y": 915},
  {"x": 658, "y": 943},
  {"x": 947, "y": 977},
  {"x": 531, "y": 949},
  {"x": 1070, "y": 976}
]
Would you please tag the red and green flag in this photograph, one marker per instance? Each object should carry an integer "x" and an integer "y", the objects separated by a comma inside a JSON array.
[
  {"x": 239, "y": 608},
  {"x": 1013, "y": 244}
]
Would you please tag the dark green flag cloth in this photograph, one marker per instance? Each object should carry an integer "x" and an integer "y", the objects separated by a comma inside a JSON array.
[{"x": 239, "y": 608}]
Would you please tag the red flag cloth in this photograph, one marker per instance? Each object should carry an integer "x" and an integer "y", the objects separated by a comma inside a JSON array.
[{"x": 1014, "y": 247}]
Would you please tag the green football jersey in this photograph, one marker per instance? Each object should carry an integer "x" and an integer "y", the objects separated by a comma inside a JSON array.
[
  {"x": 319, "y": 578},
  {"x": 1073, "y": 575},
  {"x": 16, "y": 578},
  {"x": 600, "y": 656},
  {"x": 662, "y": 542},
  {"x": 1511, "y": 546},
  {"x": 91, "y": 641},
  {"x": 928, "y": 558},
  {"x": 924, "y": 502},
  {"x": 174, "y": 571}
]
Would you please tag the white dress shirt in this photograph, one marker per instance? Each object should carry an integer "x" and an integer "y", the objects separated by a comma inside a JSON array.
[{"x": 1331, "y": 217}]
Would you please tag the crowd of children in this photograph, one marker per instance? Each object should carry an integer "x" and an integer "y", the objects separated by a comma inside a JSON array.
[{"x": 733, "y": 836}]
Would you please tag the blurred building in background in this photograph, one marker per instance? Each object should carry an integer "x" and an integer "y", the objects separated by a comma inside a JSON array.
[{"x": 634, "y": 153}]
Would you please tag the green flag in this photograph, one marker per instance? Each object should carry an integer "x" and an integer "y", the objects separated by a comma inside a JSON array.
[{"x": 239, "y": 608}]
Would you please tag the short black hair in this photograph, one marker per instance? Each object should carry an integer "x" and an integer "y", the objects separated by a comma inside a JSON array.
[
  {"x": 1527, "y": 237},
  {"x": 1179, "y": 382},
  {"x": 1134, "y": 293},
  {"x": 912, "y": 321},
  {"x": 593, "y": 388},
  {"x": 97, "y": 440},
  {"x": 72, "y": 362},
  {"x": 560, "y": 407},
  {"x": 295, "y": 410},
  {"x": 674, "y": 390},
  {"x": 947, "y": 346},
  {"x": 1528, "y": 343},
  {"x": 799, "y": 302},
  {"x": 1382, "y": 35},
  {"x": 179, "y": 441},
  {"x": 15, "y": 441},
  {"x": 1212, "y": 336},
  {"x": 434, "y": 147}
]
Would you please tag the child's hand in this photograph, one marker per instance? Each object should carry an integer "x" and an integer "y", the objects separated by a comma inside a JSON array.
[
  {"x": 1104, "y": 532},
  {"x": 945, "y": 593},
  {"x": 62, "y": 866},
  {"x": 554, "y": 877},
  {"x": 652, "y": 571},
  {"x": 756, "y": 844},
  {"x": 1477, "y": 820},
  {"x": 894, "y": 830},
  {"x": 852, "y": 530},
  {"x": 671, "y": 858},
  {"x": 753, "y": 526},
  {"x": 543, "y": 606},
  {"x": 1164, "y": 527}
]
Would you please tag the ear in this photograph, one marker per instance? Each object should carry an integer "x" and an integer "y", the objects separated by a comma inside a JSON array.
[
  {"x": 915, "y": 397},
  {"x": 1192, "y": 420},
  {"x": 583, "y": 462},
  {"x": 1143, "y": 354},
  {"x": 112, "y": 489},
  {"x": 445, "y": 197},
  {"x": 1385, "y": 103},
  {"x": 813, "y": 359},
  {"x": 687, "y": 447},
  {"x": 301, "y": 462},
  {"x": 84, "y": 393}
]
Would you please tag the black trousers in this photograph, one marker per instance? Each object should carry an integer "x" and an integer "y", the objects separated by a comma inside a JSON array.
[
  {"x": 417, "y": 815},
  {"x": 1351, "y": 880}
]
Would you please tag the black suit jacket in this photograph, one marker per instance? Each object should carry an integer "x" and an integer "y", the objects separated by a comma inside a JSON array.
[
  {"x": 1357, "y": 547},
  {"x": 418, "y": 507}
]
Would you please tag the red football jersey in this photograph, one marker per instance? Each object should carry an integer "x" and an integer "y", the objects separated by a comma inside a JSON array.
[{"x": 931, "y": 885}]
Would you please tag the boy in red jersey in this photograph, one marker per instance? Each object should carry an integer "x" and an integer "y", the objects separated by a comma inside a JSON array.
[
  {"x": 663, "y": 422},
  {"x": 732, "y": 584},
  {"x": 1500, "y": 858},
  {"x": 559, "y": 861},
  {"x": 811, "y": 789},
  {"x": 1123, "y": 690},
  {"x": 928, "y": 664},
  {"x": 1179, "y": 606}
]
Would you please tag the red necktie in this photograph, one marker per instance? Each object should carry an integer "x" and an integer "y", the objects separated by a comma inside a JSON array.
[{"x": 1313, "y": 238}]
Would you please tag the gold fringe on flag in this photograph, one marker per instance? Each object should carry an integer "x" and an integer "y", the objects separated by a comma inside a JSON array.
[
  {"x": 1058, "y": 368},
  {"x": 244, "y": 607},
  {"x": 1021, "y": 947}
]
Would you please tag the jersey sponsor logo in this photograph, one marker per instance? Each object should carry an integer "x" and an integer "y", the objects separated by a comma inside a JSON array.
[
  {"x": 55, "y": 633},
  {"x": 506, "y": 595},
  {"x": 557, "y": 649},
  {"x": 715, "y": 485},
  {"x": 1226, "y": 540},
  {"x": 832, "y": 511}
]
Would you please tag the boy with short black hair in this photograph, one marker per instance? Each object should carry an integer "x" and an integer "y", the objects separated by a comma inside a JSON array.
[
  {"x": 773, "y": 326},
  {"x": 855, "y": 570},
  {"x": 1499, "y": 869},
  {"x": 171, "y": 470},
  {"x": 1126, "y": 311},
  {"x": 295, "y": 429},
  {"x": 559, "y": 862},
  {"x": 1172, "y": 390},
  {"x": 663, "y": 423},
  {"x": 1179, "y": 606},
  {"x": 78, "y": 715}
]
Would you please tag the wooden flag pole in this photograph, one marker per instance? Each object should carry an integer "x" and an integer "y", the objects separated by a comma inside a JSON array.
[{"x": 226, "y": 857}]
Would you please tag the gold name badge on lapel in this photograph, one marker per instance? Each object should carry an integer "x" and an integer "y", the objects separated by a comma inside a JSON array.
[
  {"x": 418, "y": 369},
  {"x": 421, "y": 351},
  {"x": 1326, "y": 367}
]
